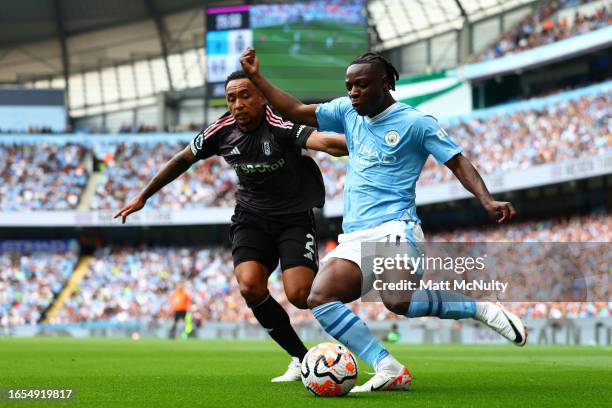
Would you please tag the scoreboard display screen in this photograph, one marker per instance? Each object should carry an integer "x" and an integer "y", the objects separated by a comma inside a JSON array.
[{"x": 304, "y": 47}]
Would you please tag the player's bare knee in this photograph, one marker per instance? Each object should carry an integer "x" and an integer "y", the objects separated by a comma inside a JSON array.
[
  {"x": 298, "y": 297},
  {"x": 252, "y": 292}
]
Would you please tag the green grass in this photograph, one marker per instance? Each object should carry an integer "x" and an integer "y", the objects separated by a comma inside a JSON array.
[{"x": 163, "y": 373}]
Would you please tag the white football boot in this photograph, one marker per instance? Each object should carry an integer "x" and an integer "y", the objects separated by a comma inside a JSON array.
[
  {"x": 389, "y": 376},
  {"x": 502, "y": 321},
  {"x": 293, "y": 373}
]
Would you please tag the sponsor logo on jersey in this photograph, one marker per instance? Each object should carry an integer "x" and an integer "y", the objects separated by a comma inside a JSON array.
[
  {"x": 266, "y": 148},
  {"x": 310, "y": 242},
  {"x": 260, "y": 168},
  {"x": 235, "y": 151},
  {"x": 441, "y": 134},
  {"x": 392, "y": 138},
  {"x": 368, "y": 154}
]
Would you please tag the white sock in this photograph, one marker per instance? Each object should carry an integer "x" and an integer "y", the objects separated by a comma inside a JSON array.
[{"x": 389, "y": 365}]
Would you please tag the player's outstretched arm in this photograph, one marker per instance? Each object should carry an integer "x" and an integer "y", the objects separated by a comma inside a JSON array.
[
  {"x": 288, "y": 106},
  {"x": 330, "y": 143},
  {"x": 171, "y": 170},
  {"x": 463, "y": 169}
]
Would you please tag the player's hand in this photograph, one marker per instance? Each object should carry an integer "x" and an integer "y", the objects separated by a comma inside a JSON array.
[
  {"x": 249, "y": 61},
  {"x": 500, "y": 211},
  {"x": 136, "y": 204}
]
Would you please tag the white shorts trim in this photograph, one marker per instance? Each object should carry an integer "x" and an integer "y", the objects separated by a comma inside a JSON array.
[{"x": 349, "y": 245}]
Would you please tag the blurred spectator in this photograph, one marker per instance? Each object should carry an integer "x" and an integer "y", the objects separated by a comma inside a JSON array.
[{"x": 179, "y": 303}]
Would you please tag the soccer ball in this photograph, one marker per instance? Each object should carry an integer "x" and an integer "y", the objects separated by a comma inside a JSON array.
[{"x": 329, "y": 369}]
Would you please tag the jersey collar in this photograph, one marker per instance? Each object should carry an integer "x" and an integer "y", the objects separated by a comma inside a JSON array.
[{"x": 381, "y": 115}]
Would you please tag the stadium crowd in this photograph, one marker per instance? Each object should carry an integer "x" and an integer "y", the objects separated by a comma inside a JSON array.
[
  {"x": 52, "y": 176},
  {"x": 543, "y": 27},
  {"x": 126, "y": 168},
  {"x": 133, "y": 283},
  {"x": 30, "y": 280},
  {"x": 516, "y": 141},
  {"x": 126, "y": 283},
  {"x": 41, "y": 176}
]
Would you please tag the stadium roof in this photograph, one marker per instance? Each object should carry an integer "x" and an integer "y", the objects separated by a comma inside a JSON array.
[
  {"x": 23, "y": 21},
  {"x": 111, "y": 54},
  {"x": 26, "y": 22},
  {"x": 399, "y": 22}
]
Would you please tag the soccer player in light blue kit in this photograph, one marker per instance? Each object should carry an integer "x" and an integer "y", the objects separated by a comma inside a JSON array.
[{"x": 388, "y": 145}]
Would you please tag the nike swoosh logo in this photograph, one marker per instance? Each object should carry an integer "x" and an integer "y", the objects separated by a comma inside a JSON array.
[
  {"x": 519, "y": 336},
  {"x": 373, "y": 388}
]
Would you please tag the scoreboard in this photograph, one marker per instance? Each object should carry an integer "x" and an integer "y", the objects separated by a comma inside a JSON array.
[{"x": 304, "y": 47}]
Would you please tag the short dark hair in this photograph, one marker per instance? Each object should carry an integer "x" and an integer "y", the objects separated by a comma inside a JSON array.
[
  {"x": 240, "y": 74},
  {"x": 375, "y": 58}
]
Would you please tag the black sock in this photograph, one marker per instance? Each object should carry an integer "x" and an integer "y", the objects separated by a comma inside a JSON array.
[{"x": 275, "y": 320}]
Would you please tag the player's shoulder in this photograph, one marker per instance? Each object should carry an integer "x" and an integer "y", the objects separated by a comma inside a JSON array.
[
  {"x": 344, "y": 102},
  {"x": 339, "y": 104},
  {"x": 224, "y": 123},
  {"x": 415, "y": 117},
  {"x": 275, "y": 121}
]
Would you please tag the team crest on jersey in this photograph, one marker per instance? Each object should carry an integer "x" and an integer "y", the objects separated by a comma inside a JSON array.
[
  {"x": 199, "y": 140},
  {"x": 392, "y": 138},
  {"x": 266, "y": 148}
]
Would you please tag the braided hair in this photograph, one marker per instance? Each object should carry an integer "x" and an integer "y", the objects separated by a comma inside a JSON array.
[{"x": 377, "y": 59}]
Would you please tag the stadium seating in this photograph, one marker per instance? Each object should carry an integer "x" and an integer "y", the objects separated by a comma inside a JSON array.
[
  {"x": 53, "y": 176},
  {"x": 29, "y": 281},
  {"x": 513, "y": 141},
  {"x": 133, "y": 283},
  {"x": 128, "y": 166},
  {"x": 41, "y": 176},
  {"x": 545, "y": 26}
]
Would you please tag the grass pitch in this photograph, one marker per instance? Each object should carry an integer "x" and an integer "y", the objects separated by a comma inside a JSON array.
[{"x": 163, "y": 373}]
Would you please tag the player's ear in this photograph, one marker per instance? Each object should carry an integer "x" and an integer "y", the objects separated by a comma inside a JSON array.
[{"x": 385, "y": 82}]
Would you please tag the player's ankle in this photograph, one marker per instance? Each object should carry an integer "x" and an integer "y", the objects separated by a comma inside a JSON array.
[
  {"x": 389, "y": 365},
  {"x": 481, "y": 310}
]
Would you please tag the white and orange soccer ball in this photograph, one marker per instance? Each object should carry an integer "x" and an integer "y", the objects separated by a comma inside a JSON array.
[{"x": 329, "y": 370}]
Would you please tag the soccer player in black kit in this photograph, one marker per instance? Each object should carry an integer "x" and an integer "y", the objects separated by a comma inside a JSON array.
[{"x": 277, "y": 189}]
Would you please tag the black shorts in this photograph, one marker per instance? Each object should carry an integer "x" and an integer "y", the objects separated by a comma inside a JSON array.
[
  {"x": 180, "y": 315},
  {"x": 292, "y": 238}
]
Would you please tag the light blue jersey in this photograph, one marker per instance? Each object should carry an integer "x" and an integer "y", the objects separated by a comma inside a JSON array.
[{"x": 387, "y": 154}]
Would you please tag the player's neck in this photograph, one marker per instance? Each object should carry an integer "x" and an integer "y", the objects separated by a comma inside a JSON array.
[
  {"x": 252, "y": 127},
  {"x": 388, "y": 101}
]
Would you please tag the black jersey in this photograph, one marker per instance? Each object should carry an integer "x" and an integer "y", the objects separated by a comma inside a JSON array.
[{"x": 274, "y": 178}]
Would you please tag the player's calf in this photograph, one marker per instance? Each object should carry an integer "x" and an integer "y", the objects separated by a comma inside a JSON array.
[
  {"x": 298, "y": 297},
  {"x": 395, "y": 304},
  {"x": 297, "y": 282}
]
